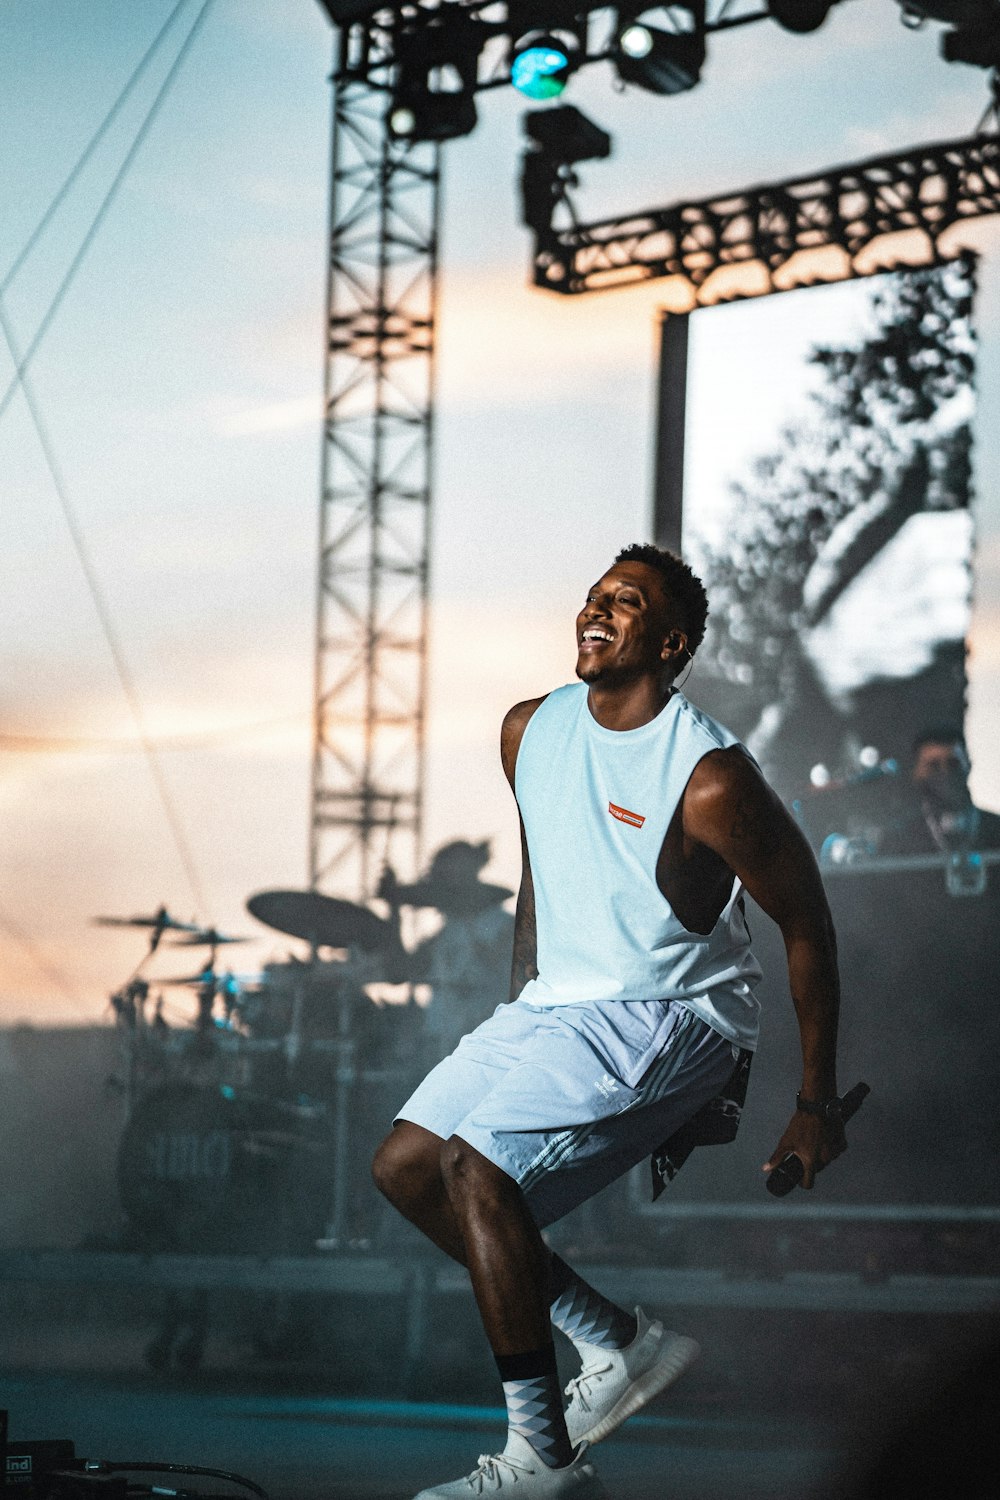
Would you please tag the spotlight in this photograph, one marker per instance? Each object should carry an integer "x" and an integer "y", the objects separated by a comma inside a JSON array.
[
  {"x": 977, "y": 46},
  {"x": 541, "y": 64},
  {"x": 434, "y": 98},
  {"x": 801, "y": 16},
  {"x": 565, "y": 135},
  {"x": 664, "y": 62},
  {"x": 559, "y": 138},
  {"x": 427, "y": 116}
]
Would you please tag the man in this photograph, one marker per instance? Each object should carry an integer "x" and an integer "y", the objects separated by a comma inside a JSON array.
[
  {"x": 632, "y": 990},
  {"x": 466, "y": 962},
  {"x": 945, "y": 820}
]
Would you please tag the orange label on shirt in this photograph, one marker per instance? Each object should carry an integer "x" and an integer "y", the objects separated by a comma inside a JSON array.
[{"x": 623, "y": 815}]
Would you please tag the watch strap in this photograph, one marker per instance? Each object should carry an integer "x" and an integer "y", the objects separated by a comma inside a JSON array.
[{"x": 826, "y": 1109}]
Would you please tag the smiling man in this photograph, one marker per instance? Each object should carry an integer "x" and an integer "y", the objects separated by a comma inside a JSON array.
[{"x": 632, "y": 1010}]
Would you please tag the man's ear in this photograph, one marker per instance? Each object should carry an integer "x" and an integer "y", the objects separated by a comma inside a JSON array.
[{"x": 674, "y": 645}]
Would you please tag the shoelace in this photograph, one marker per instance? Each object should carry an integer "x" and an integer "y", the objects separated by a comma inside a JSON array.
[
  {"x": 578, "y": 1388},
  {"x": 489, "y": 1469}
]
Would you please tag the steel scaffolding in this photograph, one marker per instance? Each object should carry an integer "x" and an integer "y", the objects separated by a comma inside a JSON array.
[
  {"x": 375, "y": 511},
  {"x": 927, "y": 189}
]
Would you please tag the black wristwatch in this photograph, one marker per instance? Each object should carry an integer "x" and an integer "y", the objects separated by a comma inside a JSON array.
[{"x": 831, "y": 1110}]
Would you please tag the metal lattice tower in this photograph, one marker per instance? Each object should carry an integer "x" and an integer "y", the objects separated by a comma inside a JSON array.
[{"x": 375, "y": 513}]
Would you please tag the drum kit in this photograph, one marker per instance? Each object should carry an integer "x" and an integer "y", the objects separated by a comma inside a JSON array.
[{"x": 249, "y": 1124}]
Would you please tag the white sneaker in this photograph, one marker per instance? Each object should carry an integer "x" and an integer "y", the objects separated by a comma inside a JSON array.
[
  {"x": 519, "y": 1465},
  {"x": 614, "y": 1383}
]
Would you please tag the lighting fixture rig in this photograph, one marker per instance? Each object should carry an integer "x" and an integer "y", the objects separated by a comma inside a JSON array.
[
  {"x": 406, "y": 79},
  {"x": 430, "y": 58},
  {"x": 927, "y": 189}
]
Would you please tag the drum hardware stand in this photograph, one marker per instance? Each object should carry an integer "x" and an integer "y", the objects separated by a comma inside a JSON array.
[
  {"x": 345, "y": 1079},
  {"x": 293, "y": 1038},
  {"x": 335, "y": 1233}
]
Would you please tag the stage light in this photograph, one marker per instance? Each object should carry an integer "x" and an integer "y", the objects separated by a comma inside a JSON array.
[
  {"x": 541, "y": 64},
  {"x": 979, "y": 46},
  {"x": 437, "y": 60},
  {"x": 566, "y": 135},
  {"x": 664, "y": 62},
  {"x": 427, "y": 116},
  {"x": 801, "y": 16},
  {"x": 636, "y": 40},
  {"x": 560, "y": 138}
]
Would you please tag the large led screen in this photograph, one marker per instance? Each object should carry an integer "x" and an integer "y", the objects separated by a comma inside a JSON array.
[{"x": 827, "y": 505}]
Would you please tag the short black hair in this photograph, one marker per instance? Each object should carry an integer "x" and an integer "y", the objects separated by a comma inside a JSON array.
[
  {"x": 939, "y": 734},
  {"x": 684, "y": 587}
]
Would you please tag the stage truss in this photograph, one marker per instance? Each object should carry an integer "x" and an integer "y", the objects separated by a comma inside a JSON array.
[
  {"x": 371, "y": 638},
  {"x": 766, "y": 239}
]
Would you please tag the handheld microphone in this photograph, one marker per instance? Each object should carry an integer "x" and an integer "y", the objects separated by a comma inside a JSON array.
[{"x": 789, "y": 1172}]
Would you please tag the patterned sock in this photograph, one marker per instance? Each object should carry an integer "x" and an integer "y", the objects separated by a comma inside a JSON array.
[
  {"x": 583, "y": 1315},
  {"x": 534, "y": 1403}
]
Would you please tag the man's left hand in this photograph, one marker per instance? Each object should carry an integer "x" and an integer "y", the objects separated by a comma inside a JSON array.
[{"x": 813, "y": 1140}]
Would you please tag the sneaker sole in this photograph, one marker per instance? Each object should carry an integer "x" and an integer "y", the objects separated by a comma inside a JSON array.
[{"x": 678, "y": 1354}]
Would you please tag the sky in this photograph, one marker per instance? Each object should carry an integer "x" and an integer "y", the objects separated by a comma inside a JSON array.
[{"x": 179, "y": 385}]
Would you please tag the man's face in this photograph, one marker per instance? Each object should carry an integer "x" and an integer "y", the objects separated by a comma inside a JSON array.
[
  {"x": 624, "y": 625},
  {"x": 940, "y": 774}
]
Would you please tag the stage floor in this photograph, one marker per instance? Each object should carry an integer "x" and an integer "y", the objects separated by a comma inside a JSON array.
[{"x": 304, "y": 1446}]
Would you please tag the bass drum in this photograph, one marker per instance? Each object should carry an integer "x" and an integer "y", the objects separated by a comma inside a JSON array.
[{"x": 208, "y": 1169}]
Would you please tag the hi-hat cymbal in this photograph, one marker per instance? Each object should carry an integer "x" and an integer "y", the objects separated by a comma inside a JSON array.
[
  {"x": 208, "y": 937},
  {"x": 325, "y": 921}
]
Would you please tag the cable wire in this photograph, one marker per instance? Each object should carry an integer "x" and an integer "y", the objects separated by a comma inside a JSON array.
[
  {"x": 44, "y": 966},
  {"x": 125, "y": 678},
  {"x": 22, "y": 362},
  {"x": 109, "y": 1466},
  {"x": 91, "y": 147}
]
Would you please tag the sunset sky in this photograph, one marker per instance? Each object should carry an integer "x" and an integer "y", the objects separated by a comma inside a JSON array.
[{"x": 180, "y": 385}]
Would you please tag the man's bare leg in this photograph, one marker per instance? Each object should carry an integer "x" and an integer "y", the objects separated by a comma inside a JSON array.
[
  {"x": 509, "y": 1267},
  {"x": 407, "y": 1170},
  {"x": 507, "y": 1258},
  {"x": 476, "y": 1214}
]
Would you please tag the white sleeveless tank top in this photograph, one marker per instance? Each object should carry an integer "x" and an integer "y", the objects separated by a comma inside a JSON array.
[{"x": 596, "y": 805}]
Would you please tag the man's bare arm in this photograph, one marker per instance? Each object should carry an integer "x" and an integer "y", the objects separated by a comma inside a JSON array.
[
  {"x": 729, "y": 807},
  {"x": 524, "y": 961}
]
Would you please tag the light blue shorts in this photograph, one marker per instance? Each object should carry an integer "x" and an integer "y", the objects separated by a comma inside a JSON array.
[{"x": 565, "y": 1099}]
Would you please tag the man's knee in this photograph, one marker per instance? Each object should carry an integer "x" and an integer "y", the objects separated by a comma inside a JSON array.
[
  {"x": 405, "y": 1165},
  {"x": 467, "y": 1173}
]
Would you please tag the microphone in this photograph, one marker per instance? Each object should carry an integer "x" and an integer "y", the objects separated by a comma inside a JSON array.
[{"x": 789, "y": 1172}]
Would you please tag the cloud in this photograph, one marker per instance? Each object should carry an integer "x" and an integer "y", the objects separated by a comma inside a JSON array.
[
  {"x": 85, "y": 832},
  {"x": 502, "y": 343},
  {"x": 231, "y": 419},
  {"x": 945, "y": 117}
]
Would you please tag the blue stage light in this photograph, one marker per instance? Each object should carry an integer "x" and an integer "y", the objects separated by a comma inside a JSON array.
[{"x": 541, "y": 66}]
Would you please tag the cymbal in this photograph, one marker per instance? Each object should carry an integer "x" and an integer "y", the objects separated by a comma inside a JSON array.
[
  {"x": 208, "y": 937},
  {"x": 162, "y": 920},
  {"x": 457, "y": 900},
  {"x": 326, "y": 921}
]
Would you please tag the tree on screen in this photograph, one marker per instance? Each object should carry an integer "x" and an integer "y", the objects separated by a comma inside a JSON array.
[{"x": 886, "y": 436}]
